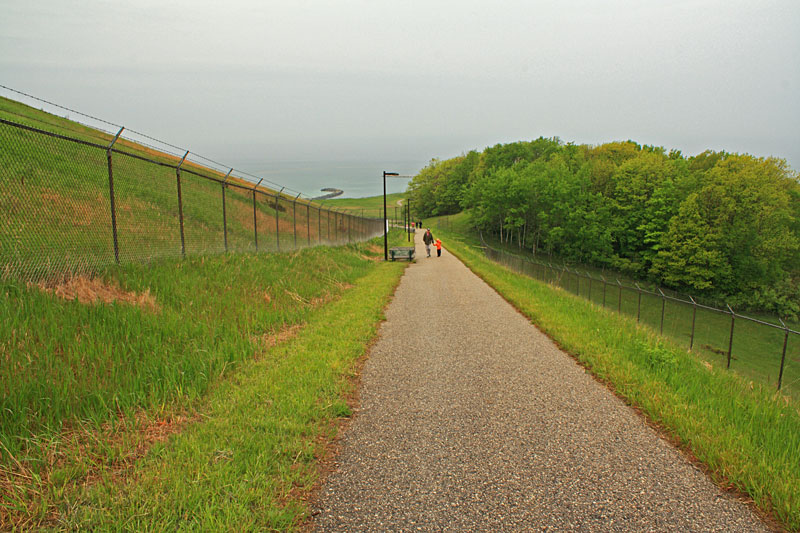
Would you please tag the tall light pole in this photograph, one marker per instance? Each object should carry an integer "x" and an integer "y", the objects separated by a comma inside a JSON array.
[
  {"x": 409, "y": 219},
  {"x": 385, "y": 226}
]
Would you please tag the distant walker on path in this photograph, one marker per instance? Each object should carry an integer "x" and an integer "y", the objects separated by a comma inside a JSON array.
[
  {"x": 428, "y": 240},
  {"x": 438, "y": 248}
]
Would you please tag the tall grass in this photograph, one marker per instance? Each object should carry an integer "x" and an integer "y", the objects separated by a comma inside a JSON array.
[
  {"x": 80, "y": 382},
  {"x": 247, "y": 464},
  {"x": 745, "y": 433}
]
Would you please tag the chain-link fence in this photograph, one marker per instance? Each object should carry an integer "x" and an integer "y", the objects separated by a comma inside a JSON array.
[
  {"x": 73, "y": 205},
  {"x": 757, "y": 348}
]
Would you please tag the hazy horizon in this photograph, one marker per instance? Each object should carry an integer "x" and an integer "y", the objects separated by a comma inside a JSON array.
[{"x": 253, "y": 84}]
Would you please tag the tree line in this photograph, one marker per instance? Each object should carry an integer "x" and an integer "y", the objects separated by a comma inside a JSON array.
[{"x": 718, "y": 225}]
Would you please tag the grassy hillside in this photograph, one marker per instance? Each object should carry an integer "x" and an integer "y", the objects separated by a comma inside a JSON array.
[
  {"x": 197, "y": 376},
  {"x": 748, "y": 436},
  {"x": 370, "y": 206},
  {"x": 113, "y": 373},
  {"x": 58, "y": 204},
  {"x": 30, "y": 116}
]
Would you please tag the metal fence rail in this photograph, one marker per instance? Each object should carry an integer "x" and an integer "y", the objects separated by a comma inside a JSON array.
[
  {"x": 760, "y": 349},
  {"x": 72, "y": 206}
]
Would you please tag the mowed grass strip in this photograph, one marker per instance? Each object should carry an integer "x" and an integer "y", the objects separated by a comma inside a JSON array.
[
  {"x": 250, "y": 462},
  {"x": 747, "y": 435},
  {"x": 756, "y": 351},
  {"x": 87, "y": 389}
]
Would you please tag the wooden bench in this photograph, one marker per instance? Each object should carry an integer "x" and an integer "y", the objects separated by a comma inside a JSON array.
[{"x": 401, "y": 252}]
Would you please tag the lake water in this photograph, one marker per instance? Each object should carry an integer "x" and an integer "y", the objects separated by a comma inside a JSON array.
[{"x": 357, "y": 179}]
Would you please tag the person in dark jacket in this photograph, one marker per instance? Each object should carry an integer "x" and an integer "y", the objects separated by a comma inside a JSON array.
[{"x": 428, "y": 240}]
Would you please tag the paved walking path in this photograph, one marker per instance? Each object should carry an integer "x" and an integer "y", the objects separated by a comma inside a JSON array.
[{"x": 472, "y": 420}]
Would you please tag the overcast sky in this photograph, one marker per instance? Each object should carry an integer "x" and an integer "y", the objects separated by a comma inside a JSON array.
[{"x": 247, "y": 82}]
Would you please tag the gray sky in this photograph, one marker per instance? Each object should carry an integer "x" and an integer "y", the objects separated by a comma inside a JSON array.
[{"x": 247, "y": 82}]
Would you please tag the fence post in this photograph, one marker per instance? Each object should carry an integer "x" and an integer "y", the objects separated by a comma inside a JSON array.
[
  {"x": 329, "y": 225},
  {"x": 224, "y": 211},
  {"x": 319, "y": 224},
  {"x": 294, "y": 217},
  {"x": 619, "y": 299},
  {"x": 590, "y": 286},
  {"x": 349, "y": 228},
  {"x": 730, "y": 341},
  {"x": 783, "y": 356},
  {"x": 694, "y": 315},
  {"x": 639, "y": 304},
  {"x": 111, "y": 196},
  {"x": 180, "y": 203},
  {"x": 663, "y": 306},
  {"x": 255, "y": 220},
  {"x": 277, "y": 227},
  {"x": 336, "y": 223},
  {"x": 604, "y": 289},
  {"x": 308, "y": 223}
]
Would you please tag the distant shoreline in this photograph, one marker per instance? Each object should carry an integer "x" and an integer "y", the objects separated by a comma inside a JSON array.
[{"x": 358, "y": 179}]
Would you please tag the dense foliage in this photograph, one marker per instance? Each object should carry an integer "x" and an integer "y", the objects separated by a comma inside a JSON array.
[{"x": 716, "y": 224}]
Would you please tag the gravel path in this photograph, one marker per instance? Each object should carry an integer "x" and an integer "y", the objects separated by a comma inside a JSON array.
[{"x": 473, "y": 420}]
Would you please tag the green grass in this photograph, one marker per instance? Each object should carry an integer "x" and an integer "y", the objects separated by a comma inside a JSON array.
[
  {"x": 371, "y": 206},
  {"x": 748, "y": 436},
  {"x": 756, "y": 351},
  {"x": 368, "y": 202},
  {"x": 57, "y": 205},
  {"x": 37, "y": 118},
  {"x": 85, "y": 386},
  {"x": 238, "y": 468}
]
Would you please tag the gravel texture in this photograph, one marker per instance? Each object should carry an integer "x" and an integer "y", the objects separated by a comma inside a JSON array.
[{"x": 471, "y": 419}]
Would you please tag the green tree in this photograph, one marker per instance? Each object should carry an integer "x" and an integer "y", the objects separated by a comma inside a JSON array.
[
  {"x": 643, "y": 199},
  {"x": 737, "y": 236}
]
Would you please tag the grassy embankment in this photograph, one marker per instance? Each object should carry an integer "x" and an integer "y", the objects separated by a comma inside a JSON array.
[
  {"x": 245, "y": 358},
  {"x": 371, "y": 206},
  {"x": 756, "y": 351},
  {"x": 748, "y": 436},
  {"x": 57, "y": 203},
  {"x": 88, "y": 389}
]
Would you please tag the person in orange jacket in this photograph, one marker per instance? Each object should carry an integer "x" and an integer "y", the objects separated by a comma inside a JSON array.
[{"x": 438, "y": 248}]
